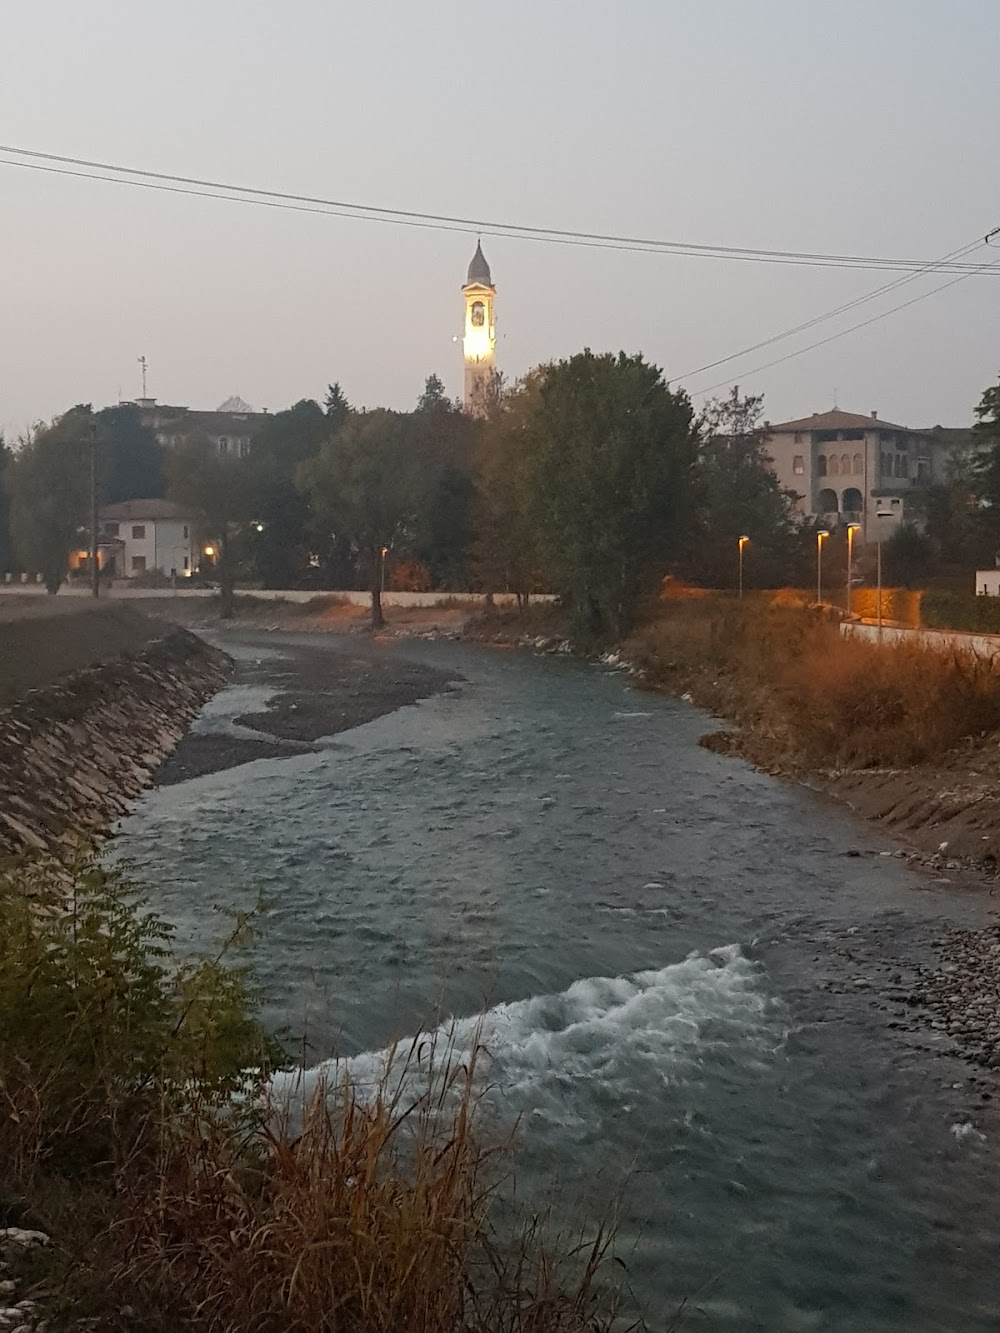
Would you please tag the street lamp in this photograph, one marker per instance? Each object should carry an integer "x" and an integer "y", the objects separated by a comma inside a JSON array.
[
  {"x": 743, "y": 542},
  {"x": 820, "y": 538},
  {"x": 879, "y": 515},
  {"x": 852, "y": 528}
]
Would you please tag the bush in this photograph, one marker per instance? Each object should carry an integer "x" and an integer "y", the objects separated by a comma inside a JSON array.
[
  {"x": 138, "y": 1127},
  {"x": 806, "y": 696},
  {"x": 961, "y": 611}
]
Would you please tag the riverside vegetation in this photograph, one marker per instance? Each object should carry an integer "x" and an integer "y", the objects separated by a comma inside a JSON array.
[{"x": 137, "y": 1129}]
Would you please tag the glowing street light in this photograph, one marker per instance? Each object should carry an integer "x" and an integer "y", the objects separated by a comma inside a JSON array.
[
  {"x": 210, "y": 552},
  {"x": 852, "y": 528},
  {"x": 384, "y": 553},
  {"x": 820, "y": 538},
  {"x": 743, "y": 541}
]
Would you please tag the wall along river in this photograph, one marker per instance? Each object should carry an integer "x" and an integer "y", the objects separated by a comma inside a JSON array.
[{"x": 678, "y": 963}]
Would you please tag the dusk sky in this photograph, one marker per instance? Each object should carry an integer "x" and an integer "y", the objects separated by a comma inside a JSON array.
[{"x": 867, "y": 127}]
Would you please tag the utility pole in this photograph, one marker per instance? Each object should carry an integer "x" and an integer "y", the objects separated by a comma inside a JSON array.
[
  {"x": 143, "y": 364},
  {"x": 95, "y": 571}
]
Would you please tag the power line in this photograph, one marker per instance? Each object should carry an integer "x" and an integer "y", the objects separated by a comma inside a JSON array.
[
  {"x": 844, "y": 332},
  {"x": 934, "y": 267},
  {"x": 85, "y": 168}
]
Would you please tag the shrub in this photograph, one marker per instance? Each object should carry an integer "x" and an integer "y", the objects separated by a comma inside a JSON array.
[
  {"x": 138, "y": 1127},
  {"x": 961, "y": 611}
]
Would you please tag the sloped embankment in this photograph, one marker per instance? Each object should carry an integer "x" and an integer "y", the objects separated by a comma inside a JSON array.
[{"x": 75, "y": 752}]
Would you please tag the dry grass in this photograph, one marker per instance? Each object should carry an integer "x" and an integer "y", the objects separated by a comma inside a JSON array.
[
  {"x": 804, "y": 696},
  {"x": 183, "y": 1194}
]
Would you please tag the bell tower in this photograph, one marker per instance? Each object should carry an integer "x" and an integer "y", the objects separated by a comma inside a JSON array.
[{"x": 479, "y": 342}]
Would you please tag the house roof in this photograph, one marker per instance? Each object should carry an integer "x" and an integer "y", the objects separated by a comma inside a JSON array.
[
  {"x": 479, "y": 270},
  {"x": 838, "y": 420},
  {"x": 137, "y": 510}
]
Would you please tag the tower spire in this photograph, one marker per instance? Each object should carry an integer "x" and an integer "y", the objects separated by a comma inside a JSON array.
[{"x": 479, "y": 342}]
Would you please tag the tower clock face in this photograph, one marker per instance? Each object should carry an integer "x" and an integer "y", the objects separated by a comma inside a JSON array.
[{"x": 478, "y": 315}]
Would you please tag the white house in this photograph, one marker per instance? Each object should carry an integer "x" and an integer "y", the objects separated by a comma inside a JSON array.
[{"x": 139, "y": 536}]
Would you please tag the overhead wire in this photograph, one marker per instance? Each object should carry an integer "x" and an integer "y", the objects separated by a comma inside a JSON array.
[{"x": 86, "y": 168}]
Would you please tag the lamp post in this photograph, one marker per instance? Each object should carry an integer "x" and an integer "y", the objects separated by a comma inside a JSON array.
[
  {"x": 820, "y": 538},
  {"x": 742, "y": 543},
  {"x": 879, "y": 515},
  {"x": 384, "y": 552},
  {"x": 852, "y": 528}
]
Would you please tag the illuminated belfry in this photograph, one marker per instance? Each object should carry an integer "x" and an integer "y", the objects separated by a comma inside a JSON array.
[{"x": 479, "y": 343}]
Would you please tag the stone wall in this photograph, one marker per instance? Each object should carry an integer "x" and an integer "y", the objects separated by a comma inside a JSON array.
[{"x": 75, "y": 753}]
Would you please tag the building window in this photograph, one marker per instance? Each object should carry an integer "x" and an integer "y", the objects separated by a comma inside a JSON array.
[
  {"x": 478, "y": 315},
  {"x": 828, "y": 502},
  {"x": 185, "y": 532},
  {"x": 110, "y": 529},
  {"x": 244, "y": 448},
  {"x": 798, "y": 437},
  {"x": 833, "y": 467},
  {"x": 885, "y": 465},
  {"x": 852, "y": 501},
  {"x": 821, "y": 465},
  {"x": 223, "y": 444},
  {"x": 923, "y": 469},
  {"x": 138, "y": 564},
  {"x": 845, "y": 465},
  {"x": 798, "y": 465},
  {"x": 138, "y": 531},
  {"x": 859, "y": 464},
  {"x": 187, "y": 564}
]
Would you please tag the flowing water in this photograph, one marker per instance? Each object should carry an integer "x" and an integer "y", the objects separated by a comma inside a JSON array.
[{"x": 677, "y": 962}]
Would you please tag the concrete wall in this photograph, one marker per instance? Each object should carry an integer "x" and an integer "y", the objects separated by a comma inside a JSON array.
[
  {"x": 982, "y": 645},
  {"x": 298, "y": 595}
]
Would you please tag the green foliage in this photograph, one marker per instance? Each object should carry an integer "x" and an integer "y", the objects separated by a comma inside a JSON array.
[
  {"x": 336, "y": 406},
  {"x": 609, "y": 451},
  {"x": 433, "y": 398},
  {"x": 48, "y": 485},
  {"x": 97, "y": 1024},
  {"x": 130, "y": 458},
  {"x": 735, "y": 493},
  {"x": 960, "y": 611},
  {"x": 907, "y": 557}
]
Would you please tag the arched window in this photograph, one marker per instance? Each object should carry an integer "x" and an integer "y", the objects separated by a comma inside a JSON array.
[
  {"x": 478, "y": 314},
  {"x": 852, "y": 501},
  {"x": 821, "y": 465},
  {"x": 828, "y": 502},
  {"x": 859, "y": 464},
  {"x": 833, "y": 466},
  {"x": 845, "y": 465}
]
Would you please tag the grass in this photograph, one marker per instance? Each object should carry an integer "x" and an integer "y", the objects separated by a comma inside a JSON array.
[
  {"x": 804, "y": 696},
  {"x": 139, "y": 1128}
]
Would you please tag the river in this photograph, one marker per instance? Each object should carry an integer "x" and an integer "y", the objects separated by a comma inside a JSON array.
[{"x": 681, "y": 963}]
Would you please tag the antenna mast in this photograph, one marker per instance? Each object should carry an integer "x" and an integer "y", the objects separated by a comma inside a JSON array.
[{"x": 143, "y": 364}]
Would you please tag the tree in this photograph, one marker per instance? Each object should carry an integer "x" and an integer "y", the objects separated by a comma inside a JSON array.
[
  {"x": 907, "y": 557},
  {"x": 49, "y": 484},
  {"x": 131, "y": 459},
  {"x": 433, "y": 397},
  {"x": 217, "y": 489},
  {"x": 337, "y": 408},
  {"x": 362, "y": 486},
  {"x": 735, "y": 494},
  {"x": 611, "y": 450}
]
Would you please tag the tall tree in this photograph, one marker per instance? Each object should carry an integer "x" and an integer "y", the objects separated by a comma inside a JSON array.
[
  {"x": 336, "y": 406},
  {"x": 613, "y": 449},
  {"x": 48, "y": 484},
  {"x": 986, "y": 472},
  {"x": 216, "y": 489},
  {"x": 131, "y": 457},
  {"x": 433, "y": 397},
  {"x": 363, "y": 487},
  {"x": 735, "y": 494}
]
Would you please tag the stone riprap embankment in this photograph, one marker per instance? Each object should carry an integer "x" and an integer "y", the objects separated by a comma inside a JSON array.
[{"x": 74, "y": 753}]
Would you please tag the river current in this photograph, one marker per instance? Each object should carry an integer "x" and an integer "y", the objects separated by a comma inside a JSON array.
[{"x": 677, "y": 963}]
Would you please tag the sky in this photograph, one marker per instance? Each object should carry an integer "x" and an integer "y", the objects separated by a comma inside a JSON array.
[{"x": 866, "y": 127}]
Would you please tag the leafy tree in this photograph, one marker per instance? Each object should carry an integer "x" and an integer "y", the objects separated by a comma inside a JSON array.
[
  {"x": 280, "y": 541},
  {"x": 217, "y": 489},
  {"x": 336, "y": 406},
  {"x": 611, "y": 455},
  {"x": 131, "y": 459},
  {"x": 433, "y": 397},
  {"x": 362, "y": 485},
  {"x": 907, "y": 557},
  {"x": 735, "y": 493},
  {"x": 49, "y": 484},
  {"x": 6, "y": 544},
  {"x": 986, "y": 466}
]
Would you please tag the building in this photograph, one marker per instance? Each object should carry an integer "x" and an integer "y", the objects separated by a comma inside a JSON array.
[
  {"x": 847, "y": 468},
  {"x": 139, "y": 536},
  {"x": 479, "y": 342},
  {"x": 230, "y": 428}
]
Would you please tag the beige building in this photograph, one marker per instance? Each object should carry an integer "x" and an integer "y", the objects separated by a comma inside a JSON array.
[
  {"x": 480, "y": 339},
  {"x": 846, "y": 468},
  {"x": 230, "y": 431}
]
